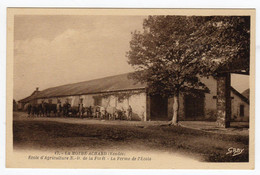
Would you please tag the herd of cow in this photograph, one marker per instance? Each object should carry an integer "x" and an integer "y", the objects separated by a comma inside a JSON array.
[{"x": 66, "y": 110}]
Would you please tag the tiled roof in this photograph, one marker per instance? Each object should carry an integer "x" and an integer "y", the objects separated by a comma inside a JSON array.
[
  {"x": 240, "y": 95},
  {"x": 107, "y": 84}
]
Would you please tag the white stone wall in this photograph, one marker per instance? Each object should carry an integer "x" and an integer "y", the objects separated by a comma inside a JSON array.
[
  {"x": 112, "y": 101},
  {"x": 138, "y": 104},
  {"x": 210, "y": 109},
  {"x": 137, "y": 101},
  {"x": 211, "y": 83},
  {"x": 88, "y": 100},
  {"x": 74, "y": 100},
  {"x": 62, "y": 100}
]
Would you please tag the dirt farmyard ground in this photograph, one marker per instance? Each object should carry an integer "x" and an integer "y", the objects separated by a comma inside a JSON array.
[{"x": 84, "y": 134}]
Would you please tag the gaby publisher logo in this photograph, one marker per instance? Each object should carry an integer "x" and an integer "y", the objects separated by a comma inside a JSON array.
[{"x": 234, "y": 151}]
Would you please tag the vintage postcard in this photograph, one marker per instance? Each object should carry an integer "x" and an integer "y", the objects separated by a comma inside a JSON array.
[{"x": 130, "y": 88}]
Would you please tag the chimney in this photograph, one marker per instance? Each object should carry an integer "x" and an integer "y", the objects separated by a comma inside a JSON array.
[{"x": 37, "y": 88}]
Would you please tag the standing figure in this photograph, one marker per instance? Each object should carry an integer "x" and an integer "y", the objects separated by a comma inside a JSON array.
[
  {"x": 123, "y": 114},
  {"x": 40, "y": 109},
  {"x": 64, "y": 109},
  {"x": 58, "y": 108},
  {"x": 97, "y": 111},
  {"x": 102, "y": 112},
  {"x": 67, "y": 109},
  {"x": 44, "y": 106},
  {"x": 129, "y": 113},
  {"x": 81, "y": 110},
  {"x": 29, "y": 109},
  {"x": 90, "y": 112}
]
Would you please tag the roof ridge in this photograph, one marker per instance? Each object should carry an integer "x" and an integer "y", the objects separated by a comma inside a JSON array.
[
  {"x": 111, "y": 83},
  {"x": 87, "y": 81},
  {"x": 245, "y": 99}
]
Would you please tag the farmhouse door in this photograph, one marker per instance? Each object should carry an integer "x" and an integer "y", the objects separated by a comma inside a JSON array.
[
  {"x": 194, "y": 106},
  {"x": 158, "y": 108}
]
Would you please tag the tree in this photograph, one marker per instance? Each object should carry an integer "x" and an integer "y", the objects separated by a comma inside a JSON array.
[
  {"x": 172, "y": 51},
  {"x": 226, "y": 40}
]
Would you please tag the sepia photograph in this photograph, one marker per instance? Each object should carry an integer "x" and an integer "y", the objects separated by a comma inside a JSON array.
[{"x": 128, "y": 88}]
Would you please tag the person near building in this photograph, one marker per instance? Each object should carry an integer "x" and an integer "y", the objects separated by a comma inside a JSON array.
[
  {"x": 81, "y": 110},
  {"x": 129, "y": 113}
]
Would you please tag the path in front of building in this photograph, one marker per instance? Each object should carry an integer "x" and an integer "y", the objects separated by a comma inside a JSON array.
[
  {"x": 237, "y": 128},
  {"x": 83, "y": 140}
]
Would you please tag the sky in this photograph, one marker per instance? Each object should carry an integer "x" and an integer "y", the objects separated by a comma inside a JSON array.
[{"x": 55, "y": 50}]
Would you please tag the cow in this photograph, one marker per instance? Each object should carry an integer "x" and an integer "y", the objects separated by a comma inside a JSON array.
[
  {"x": 66, "y": 108},
  {"x": 40, "y": 109},
  {"x": 111, "y": 112},
  {"x": 51, "y": 108},
  {"x": 35, "y": 110},
  {"x": 120, "y": 114},
  {"x": 96, "y": 112},
  {"x": 73, "y": 111},
  {"x": 44, "y": 108},
  {"x": 29, "y": 109},
  {"x": 89, "y": 111}
]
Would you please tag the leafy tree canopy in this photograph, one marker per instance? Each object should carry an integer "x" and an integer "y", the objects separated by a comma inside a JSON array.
[{"x": 172, "y": 51}]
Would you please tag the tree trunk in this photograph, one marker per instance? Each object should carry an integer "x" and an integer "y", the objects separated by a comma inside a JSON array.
[
  {"x": 223, "y": 100},
  {"x": 175, "y": 110}
]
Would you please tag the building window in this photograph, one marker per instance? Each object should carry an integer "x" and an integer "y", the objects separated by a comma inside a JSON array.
[
  {"x": 242, "y": 110},
  {"x": 97, "y": 101}
]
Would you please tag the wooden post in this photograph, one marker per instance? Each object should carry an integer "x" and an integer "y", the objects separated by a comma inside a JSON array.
[{"x": 223, "y": 100}]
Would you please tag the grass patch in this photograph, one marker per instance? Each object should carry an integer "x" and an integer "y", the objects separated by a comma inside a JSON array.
[{"x": 211, "y": 147}]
